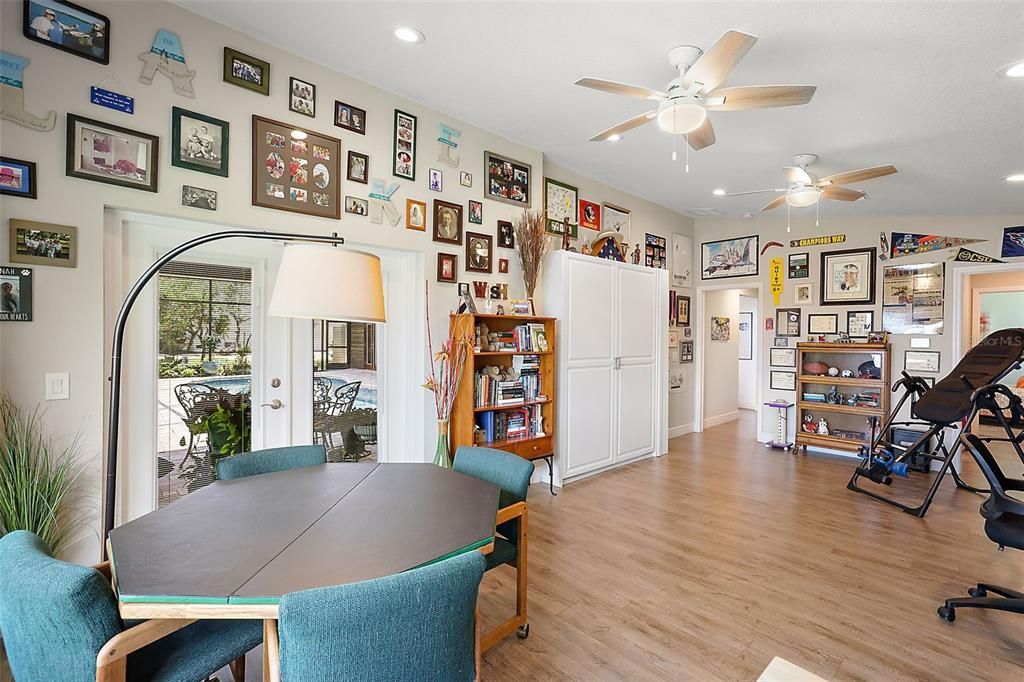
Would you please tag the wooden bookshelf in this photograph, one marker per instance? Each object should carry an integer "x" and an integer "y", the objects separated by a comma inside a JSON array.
[{"x": 465, "y": 411}]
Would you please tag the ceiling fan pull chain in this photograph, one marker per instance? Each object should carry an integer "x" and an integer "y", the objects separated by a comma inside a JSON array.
[
  {"x": 788, "y": 228},
  {"x": 687, "y": 152},
  {"x": 675, "y": 157},
  {"x": 817, "y": 213}
]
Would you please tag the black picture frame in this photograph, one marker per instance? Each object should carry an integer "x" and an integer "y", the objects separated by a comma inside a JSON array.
[
  {"x": 870, "y": 326},
  {"x": 818, "y": 317},
  {"x": 870, "y": 258},
  {"x": 937, "y": 355},
  {"x": 774, "y": 376},
  {"x": 356, "y": 117},
  {"x": 476, "y": 217},
  {"x": 366, "y": 167},
  {"x": 292, "y": 80},
  {"x": 17, "y": 280},
  {"x": 506, "y": 235},
  {"x": 33, "y": 35},
  {"x": 262, "y": 87},
  {"x": 440, "y": 208},
  {"x": 709, "y": 268},
  {"x": 153, "y": 171},
  {"x": 784, "y": 328},
  {"x": 797, "y": 271},
  {"x": 499, "y": 187},
  {"x": 29, "y": 170},
  {"x": 177, "y": 113},
  {"x": 781, "y": 357},
  {"x": 400, "y": 168}
]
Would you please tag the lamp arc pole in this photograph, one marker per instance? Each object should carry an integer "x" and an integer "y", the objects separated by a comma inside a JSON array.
[{"x": 114, "y": 405}]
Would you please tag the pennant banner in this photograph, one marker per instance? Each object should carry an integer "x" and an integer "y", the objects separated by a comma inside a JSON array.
[
  {"x": 1013, "y": 242},
  {"x": 910, "y": 244},
  {"x": 968, "y": 256}
]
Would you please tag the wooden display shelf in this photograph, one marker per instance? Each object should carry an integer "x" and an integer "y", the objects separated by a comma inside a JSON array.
[
  {"x": 840, "y": 381},
  {"x": 833, "y": 442},
  {"x": 510, "y": 406},
  {"x": 848, "y": 409},
  {"x": 510, "y": 352}
]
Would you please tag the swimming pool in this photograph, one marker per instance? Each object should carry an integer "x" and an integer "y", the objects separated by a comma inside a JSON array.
[{"x": 367, "y": 397}]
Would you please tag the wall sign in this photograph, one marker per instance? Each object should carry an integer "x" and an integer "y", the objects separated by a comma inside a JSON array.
[
  {"x": 775, "y": 279},
  {"x": 167, "y": 56},
  {"x": 1013, "y": 242},
  {"x": 15, "y": 294},
  {"x": 12, "y": 96},
  {"x": 112, "y": 100},
  {"x": 817, "y": 241}
]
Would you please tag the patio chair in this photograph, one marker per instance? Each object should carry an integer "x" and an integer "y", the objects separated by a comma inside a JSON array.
[
  {"x": 192, "y": 397},
  {"x": 327, "y": 415}
]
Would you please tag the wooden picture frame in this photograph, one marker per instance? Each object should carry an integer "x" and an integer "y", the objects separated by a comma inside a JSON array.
[
  {"x": 823, "y": 323},
  {"x": 507, "y": 180},
  {"x": 403, "y": 157},
  {"x": 521, "y": 307},
  {"x": 299, "y": 176},
  {"x": 195, "y": 151},
  {"x": 506, "y": 235},
  {"x": 351, "y": 167},
  {"x": 447, "y": 268},
  {"x": 301, "y": 100},
  {"x": 447, "y": 222},
  {"x": 787, "y": 322},
  {"x": 246, "y": 71},
  {"x": 415, "y": 215},
  {"x": 35, "y": 243},
  {"x": 17, "y": 178},
  {"x": 101, "y": 164},
  {"x": 349, "y": 117},
  {"x": 848, "y": 277},
  {"x": 83, "y": 19},
  {"x": 479, "y": 252}
]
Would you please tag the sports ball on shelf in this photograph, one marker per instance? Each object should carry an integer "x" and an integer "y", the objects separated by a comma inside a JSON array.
[
  {"x": 833, "y": 371},
  {"x": 815, "y": 367},
  {"x": 846, "y": 373}
]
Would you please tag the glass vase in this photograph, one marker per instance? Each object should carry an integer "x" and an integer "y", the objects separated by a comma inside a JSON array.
[{"x": 442, "y": 456}]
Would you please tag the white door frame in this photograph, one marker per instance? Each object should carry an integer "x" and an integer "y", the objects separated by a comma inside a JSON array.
[
  {"x": 700, "y": 294},
  {"x": 960, "y": 271}
]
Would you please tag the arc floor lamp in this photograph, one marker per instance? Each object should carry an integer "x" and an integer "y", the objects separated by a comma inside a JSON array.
[{"x": 314, "y": 281}]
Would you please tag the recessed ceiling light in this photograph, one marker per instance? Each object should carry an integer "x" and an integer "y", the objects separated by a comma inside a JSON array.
[
  {"x": 407, "y": 34},
  {"x": 614, "y": 138},
  {"x": 718, "y": 192},
  {"x": 1016, "y": 177},
  {"x": 298, "y": 135}
]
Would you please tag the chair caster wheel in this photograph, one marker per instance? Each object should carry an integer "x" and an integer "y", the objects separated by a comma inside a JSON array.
[
  {"x": 947, "y": 614},
  {"x": 977, "y": 592},
  {"x": 524, "y": 631}
]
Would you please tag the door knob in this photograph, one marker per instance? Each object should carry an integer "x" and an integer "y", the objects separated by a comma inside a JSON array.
[{"x": 274, "y": 404}]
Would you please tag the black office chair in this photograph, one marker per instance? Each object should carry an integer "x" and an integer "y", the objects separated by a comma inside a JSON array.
[{"x": 1004, "y": 525}]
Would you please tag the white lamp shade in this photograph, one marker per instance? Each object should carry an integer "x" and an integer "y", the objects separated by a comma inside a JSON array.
[
  {"x": 801, "y": 197},
  {"x": 328, "y": 283}
]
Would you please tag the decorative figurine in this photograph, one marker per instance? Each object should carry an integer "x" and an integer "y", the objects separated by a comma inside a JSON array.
[
  {"x": 834, "y": 397},
  {"x": 846, "y": 373},
  {"x": 566, "y": 237},
  {"x": 636, "y": 255},
  {"x": 808, "y": 425},
  {"x": 500, "y": 310},
  {"x": 823, "y": 427}
]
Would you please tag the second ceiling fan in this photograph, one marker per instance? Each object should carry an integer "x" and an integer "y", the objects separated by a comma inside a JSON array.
[{"x": 684, "y": 104}]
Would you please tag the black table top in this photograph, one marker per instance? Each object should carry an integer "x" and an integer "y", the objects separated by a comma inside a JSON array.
[{"x": 251, "y": 540}]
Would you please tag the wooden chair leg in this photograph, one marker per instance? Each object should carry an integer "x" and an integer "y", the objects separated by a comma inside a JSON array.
[
  {"x": 115, "y": 671},
  {"x": 521, "y": 569},
  {"x": 271, "y": 652},
  {"x": 237, "y": 668}
]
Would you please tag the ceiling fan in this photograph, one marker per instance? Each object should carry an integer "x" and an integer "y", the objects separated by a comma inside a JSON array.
[
  {"x": 805, "y": 189},
  {"x": 684, "y": 104}
]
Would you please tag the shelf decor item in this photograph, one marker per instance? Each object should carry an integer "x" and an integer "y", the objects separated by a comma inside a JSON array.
[
  {"x": 532, "y": 244},
  {"x": 445, "y": 376}
]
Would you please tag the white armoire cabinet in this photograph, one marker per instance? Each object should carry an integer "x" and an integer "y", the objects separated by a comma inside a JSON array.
[{"x": 612, "y": 331}]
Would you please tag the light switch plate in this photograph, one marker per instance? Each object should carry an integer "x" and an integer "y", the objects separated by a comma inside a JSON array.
[{"x": 58, "y": 386}]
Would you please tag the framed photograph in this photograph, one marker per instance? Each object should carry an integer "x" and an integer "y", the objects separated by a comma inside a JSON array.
[
  {"x": 435, "y": 180},
  {"x": 301, "y": 176},
  {"x": 358, "y": 167},
  {"x": 447, "y": 268},
  {"x": 787, "y": 322},
  {"x": 404, "y": 151},
  {"x": 799, "y": 266},
  {"x": 246, "y": 72},
  {"x": 616, "y": 218},
  {"x": 823, "y": 323},
  {"x": 199, "y": 142},
  {"x": 781, "y": 342},
  {"x": 17, "y": 177},
  {"x": 848, "y": 277},
  {"x": 350, "y": 118},
  {"x": 506, "y": 235},
  {"x": 560, "y": 202},
  {"x": 447, "y": 222},
  {"x": 15, "y": 294},
  {"x": 503, "y": 265},
  {"x": 746, "y": 335},
  {"x": 803, "y": 294},
  {"x": 720, "y": 328},
  {"x": 859, "y": 323},
  {"x": 69, "y": 27},
  {"x": 782, "y": 357},
  {"x": 108, "y": 153},
  {"x": 415, "y": 215},
  {"x": 476, "y": 212},
  {"x": 464, "y": 289},
  {"x": 479, "y": 250},
  {"x": 465, "y": 179},
  {"x": 782, "y": 381},
  {"x": 301, "y": 97},
  {"x": 522, "y": 307},
  {"x": 686, "y": 351},
  {"x": 682, "y": 311},
  {"x": 35, "y": 243},
  {"x": 590, "y": 215},
  {"x": 356, "y": 206},
  {"x": 197, "y": 197},
  {"x": 687, "y": 332},
  {"x": 507, "y": 180},
  {"x": 729, "y": 258},
  {"x": 921, "y": 361}
]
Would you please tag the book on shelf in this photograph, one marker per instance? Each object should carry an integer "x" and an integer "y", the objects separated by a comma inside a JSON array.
[{"x": 489, "y": 390}]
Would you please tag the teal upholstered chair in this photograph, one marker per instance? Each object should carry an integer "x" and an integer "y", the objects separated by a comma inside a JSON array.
[
  {"x": 60, "y": 622},
  {"x": 270, "y": 460},
  {"x": 512, "y": 474},
  {"x": 416, "y": 626}
]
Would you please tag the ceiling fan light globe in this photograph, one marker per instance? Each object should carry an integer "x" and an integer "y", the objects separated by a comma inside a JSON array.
[
  {"x": 680, "y": 118},
  {"x": 801, "y": 197}
]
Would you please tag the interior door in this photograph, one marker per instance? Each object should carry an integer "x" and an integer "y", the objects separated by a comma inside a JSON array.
[{"x": 636, "y": 330}]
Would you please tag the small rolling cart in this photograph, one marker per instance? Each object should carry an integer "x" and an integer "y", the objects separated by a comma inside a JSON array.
[{"x": 781, "y": 441}]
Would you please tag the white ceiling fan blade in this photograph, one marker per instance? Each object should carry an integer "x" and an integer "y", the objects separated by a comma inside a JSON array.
[
  {"x": 702, "y": 137},
  {"x": 711, "y": 69},
  {"x": 759, "y": 97},
  {"x": 796, "y": 175},
  {"x": 755, "y": 191},
  {"x": 775, "y": 203},
  {"x": 629, "y": 124},
  {"x": 857, "y": 175},
  {"x": 841, "y": 194},
  {"x": 621, "y": 88}
]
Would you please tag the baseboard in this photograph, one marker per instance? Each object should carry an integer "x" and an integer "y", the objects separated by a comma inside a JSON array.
[
  {"x": 680, "y": 430},
  {"x": 721, "y": 419}
]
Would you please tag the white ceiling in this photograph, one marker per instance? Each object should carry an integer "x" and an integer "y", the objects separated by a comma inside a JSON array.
[{"x": 907, "y": 83}]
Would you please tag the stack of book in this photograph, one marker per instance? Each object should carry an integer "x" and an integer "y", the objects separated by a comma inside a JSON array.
[
  {"x": 505, "y": 341},
  {"x": 529, "y": 375},
  {"x": 488, "y": 390},
  {"x": 530, "y": 337},
  {"x": 507, "y": 425}
]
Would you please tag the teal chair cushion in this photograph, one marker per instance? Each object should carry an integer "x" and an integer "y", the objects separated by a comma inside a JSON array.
[
  {"x": 511, "y": 473},
  {"x": 55, "y": 617},
  {"x": 270, "y": 460},
  {"x": 416, "y": 626}
]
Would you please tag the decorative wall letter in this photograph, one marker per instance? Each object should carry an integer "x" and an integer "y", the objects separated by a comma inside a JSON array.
[
  {"x": 12, "y": 96},
  {"x": 445, "y": 146},
  {"x": 167, "y": 57},
  {"x": 380, "y": 202}
]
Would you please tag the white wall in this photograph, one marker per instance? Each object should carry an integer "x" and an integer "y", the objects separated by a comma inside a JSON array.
[
  {"x": 746, "y": 397},
  {"x": 720, "y": 358}
]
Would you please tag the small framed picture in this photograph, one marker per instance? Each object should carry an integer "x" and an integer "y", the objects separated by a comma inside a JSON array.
[
  {"x": 781, "y": 342},
  {"x": 465, "y": 179},
  {"x": 107, "y": 153},
  {"x": 506, "y": 235},
  {"x": 823, "y": 323},
  {"x": 848, "y": 277},
  {"x": 478, "y": 252},
  {"x": 503, "y": 265},
  {"x": 197, "y": 197},
  {"x": 302, "y": 97},
  {"x": 349, "y": 117},
  {"x": 682, "y": 311},
  {"x": 415, "y": 215},
  {"x": 36, "y": 243},
  {"x": 447, "y": 268},
  {"x": 921, "y": 361},
  {"x": 859, "y": 323},
  {"x": 476, "y": 212},
  {"x": 447, "y": 222},
  {"x": 799, "y": 267},
  {"x": 246, "y": 72},
  {"x": 520, "y": 306},
  {"x": 17, "y": 177},
  {"x": 687, "y": 332},
  {"x": 435, "y": 179},
  {"x": 686, "y": 351},
  {"x": 787, "y": 322},
  {"x": 803, "y": 294},
  {"x": 15, "y": 294},
  {"x": 199, "y": 142},
  {"x": 464, "y": 289},
  {"x": 782, "y": 381},
  {"x": 69, "y": 27},
  {"x": 356, "y": 206},
  {"x": 358, "y": 167},
  {"x": 404, "y": 163},
  {"x": 782, "y": 357},
  {"x": 590, "y": 215}
]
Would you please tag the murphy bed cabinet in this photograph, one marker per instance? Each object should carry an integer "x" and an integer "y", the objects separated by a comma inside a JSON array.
[{"x": 612, "y": 356}]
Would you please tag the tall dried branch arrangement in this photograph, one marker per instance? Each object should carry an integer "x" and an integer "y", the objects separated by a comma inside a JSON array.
[
  {"x": 532, "y": 243},
  {"x": 445, "y": 367}
]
